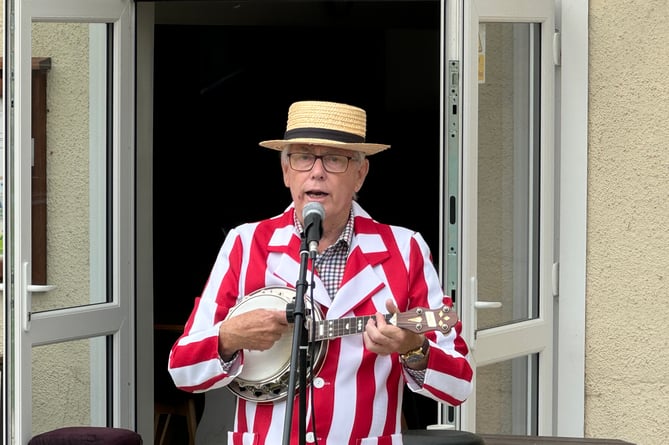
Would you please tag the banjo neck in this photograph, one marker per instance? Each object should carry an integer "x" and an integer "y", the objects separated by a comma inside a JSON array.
[{"x": 417, "y": 320}]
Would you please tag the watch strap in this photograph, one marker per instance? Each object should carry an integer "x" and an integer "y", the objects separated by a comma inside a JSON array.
[{"x": 416, "y": 355}]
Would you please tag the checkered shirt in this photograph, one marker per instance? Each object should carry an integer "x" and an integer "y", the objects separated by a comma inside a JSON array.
[{"x": 330, "y": 264}]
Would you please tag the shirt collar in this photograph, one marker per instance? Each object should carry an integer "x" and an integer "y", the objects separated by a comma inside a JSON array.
[{"x": 346, "y": 235}]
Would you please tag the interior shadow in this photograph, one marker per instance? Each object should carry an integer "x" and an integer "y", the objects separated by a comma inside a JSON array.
[{"x": 221, "y": 88}]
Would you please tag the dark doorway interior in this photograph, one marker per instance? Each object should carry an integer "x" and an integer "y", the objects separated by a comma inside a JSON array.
[{"x": 224, "y": 81}]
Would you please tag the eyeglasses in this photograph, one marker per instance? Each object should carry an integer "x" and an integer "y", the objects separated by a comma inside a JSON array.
[{"x": 303, "y": 162}]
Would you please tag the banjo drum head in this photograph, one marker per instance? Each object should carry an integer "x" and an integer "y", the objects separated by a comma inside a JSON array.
[{"x": 265, "y": 374}]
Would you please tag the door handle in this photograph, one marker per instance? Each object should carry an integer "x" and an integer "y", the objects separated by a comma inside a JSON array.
[
  {"x": 34, "y": 287},
  {"x": 40, "y": 287},
  {"x": 487, "y": 304},
  {"x": 480, "y": 304},
  {"x": 27, "y": 300},
  {"x": 476, "y": 305}
]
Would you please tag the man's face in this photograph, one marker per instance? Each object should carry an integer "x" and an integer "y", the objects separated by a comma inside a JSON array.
[{"x": 324, "y": 181}]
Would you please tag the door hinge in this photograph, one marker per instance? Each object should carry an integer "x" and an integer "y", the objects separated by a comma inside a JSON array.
[
  {"x": 555, "y": 277},
  {"x": 557, "y": 48}
]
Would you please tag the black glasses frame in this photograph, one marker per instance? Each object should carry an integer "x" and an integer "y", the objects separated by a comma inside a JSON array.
[{"x": 315, "y": 158}]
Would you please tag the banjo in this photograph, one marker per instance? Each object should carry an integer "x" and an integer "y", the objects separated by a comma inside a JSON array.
[{"x": 265, "y": 375}]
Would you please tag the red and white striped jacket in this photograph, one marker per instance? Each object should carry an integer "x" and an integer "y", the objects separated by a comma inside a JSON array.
[{"x": 357, "y": 395}]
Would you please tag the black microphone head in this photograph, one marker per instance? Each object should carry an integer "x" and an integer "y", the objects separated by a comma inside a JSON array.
[
  {"x": 313, "y": 215},
  {"x": 312, "y": 209}
]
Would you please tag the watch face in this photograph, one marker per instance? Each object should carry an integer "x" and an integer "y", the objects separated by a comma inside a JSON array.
[
  {"x": 417, "y": 354},
  {"x": 414, "y": 358}
]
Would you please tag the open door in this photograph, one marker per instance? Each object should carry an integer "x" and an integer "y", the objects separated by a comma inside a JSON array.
[
  {"x": 69, "y": 333},
  {"x": 507, "y": 214}
]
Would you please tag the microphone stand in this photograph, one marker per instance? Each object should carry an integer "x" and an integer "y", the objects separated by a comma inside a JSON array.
[{"x": 295, "y": 313}]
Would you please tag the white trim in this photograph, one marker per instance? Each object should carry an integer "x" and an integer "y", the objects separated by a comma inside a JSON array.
[
  {"x": 16, "y": 189},
  {"x": 90, "y": 11},
  {"x": 123, "y": 125},
  {"x": 145, "y": 14},
  {"x": 573, "y": 217},
  {"x": 97, "y": 134}
]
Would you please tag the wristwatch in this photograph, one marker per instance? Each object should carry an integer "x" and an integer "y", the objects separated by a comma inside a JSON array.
[{"x": 416, "y": 355}]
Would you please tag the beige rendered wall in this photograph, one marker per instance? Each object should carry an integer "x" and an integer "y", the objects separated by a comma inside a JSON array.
[{"x": 627, "y": 311}]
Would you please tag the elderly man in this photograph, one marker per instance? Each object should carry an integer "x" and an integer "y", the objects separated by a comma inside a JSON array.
[{"x": 366, "y": 278}]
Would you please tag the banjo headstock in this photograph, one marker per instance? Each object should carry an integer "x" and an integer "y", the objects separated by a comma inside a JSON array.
[{"x": 422, "y": 319}]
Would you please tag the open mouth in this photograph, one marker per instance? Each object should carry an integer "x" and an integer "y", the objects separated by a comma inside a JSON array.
[{"x": 316, "y": 194}]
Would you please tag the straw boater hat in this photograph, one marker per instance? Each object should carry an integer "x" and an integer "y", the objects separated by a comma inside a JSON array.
[{"x": 328, "y": 124}]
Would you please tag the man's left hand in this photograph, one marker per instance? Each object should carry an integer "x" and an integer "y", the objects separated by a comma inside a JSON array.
[{"x": 384, "y": 338}]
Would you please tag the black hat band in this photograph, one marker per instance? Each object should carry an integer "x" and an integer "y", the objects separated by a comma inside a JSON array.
[{"x": 323, "y": 133}]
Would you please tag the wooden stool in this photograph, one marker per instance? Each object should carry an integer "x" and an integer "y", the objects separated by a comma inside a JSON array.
[
  {"x": 184, "y": 408},
  {"x": 76, "y": 435}
]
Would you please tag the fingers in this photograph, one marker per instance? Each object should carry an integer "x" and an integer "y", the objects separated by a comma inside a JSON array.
[
  {"x": 391, "y": 307},
  {"x": 257, "y": 330},
  {"x": 384, "y": 338},
  {"x": 375, "y": 343},
  {"x": 379, "y": 336}
]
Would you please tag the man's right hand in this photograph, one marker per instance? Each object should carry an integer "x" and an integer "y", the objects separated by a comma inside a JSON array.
[{"x": 256, "y": 330}]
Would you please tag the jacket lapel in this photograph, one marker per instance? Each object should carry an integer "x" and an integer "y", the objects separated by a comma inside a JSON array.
[
  {"x": 283, "y": 263},
  {"x": 361, "y": 280}
]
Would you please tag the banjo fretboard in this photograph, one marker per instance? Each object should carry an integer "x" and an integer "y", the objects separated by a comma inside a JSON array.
[{"x": 418, "y": 320}]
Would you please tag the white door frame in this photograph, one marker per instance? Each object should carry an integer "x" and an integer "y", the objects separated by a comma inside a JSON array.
[
  {"x": 144, "y": 255},
  {"x": 572, "y": 96}
]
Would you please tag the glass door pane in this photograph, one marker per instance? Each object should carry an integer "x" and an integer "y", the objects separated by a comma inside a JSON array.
[
  {"x": 505, "y": 395},
  {"x": 508, "y": 154},
  {"x": 69, "y": 182},
  {"x": 508, "y": 218},
  {"x": 68, "y": 384}
]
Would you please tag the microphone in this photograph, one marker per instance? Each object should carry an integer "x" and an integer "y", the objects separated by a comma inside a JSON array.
[{"x": 313, "y": 215}]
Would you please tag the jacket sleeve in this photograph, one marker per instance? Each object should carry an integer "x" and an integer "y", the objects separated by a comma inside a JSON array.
[
  {"x": 194, "y": 363},
  {"x": 448, "y": 377}
]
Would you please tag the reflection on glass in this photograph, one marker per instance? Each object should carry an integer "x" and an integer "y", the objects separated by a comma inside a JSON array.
[
  {"x": 69, "y": 384},
  {"x": 507, "y": 174},
  {"x": 75, "y": 199},
  {"x": 505, "y": 394}
]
